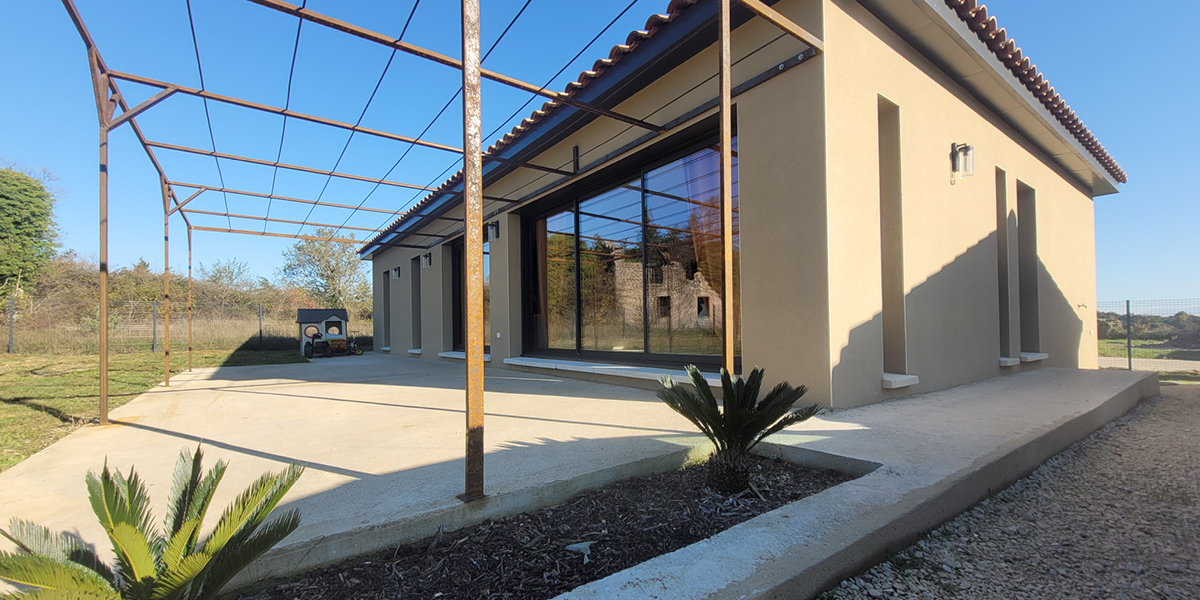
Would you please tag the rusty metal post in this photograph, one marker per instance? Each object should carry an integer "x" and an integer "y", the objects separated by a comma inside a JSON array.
[
  {"x": 725, "y": 111},
  {"x": 189, "y": 238},
  {"x": 166, "y": 198},
  {"x": 105, "y": 106},
  {"x": 473, "y": 203}
]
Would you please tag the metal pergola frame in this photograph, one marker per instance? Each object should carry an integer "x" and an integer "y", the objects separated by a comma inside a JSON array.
[{"x": 109, "y": 98}]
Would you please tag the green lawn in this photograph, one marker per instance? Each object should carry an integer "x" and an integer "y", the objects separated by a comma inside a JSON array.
[
  {"x": 1191, "y": 377},
  {"x": 1117, "y": 348},
  {"x": 43, "y": 398}
]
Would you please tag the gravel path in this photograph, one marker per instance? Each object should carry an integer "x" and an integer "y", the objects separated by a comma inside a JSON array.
[{"x": 1116, "y": 516}]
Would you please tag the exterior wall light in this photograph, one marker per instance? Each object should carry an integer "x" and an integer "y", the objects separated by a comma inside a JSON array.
[
  {"x": 426, "y": 260},
  {"x": 491, "y": 231},
  {"x": 396, "y": 273},
  {"x": 962, "y": 161}
]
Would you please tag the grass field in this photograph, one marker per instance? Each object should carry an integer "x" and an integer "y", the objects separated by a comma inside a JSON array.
[
  {"x": 43, "y": 398},
  {"x": 1189, "y": 377},
  {"x": 1117, "y": 348}
]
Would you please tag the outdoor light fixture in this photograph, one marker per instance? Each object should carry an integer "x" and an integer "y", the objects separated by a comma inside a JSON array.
[
  {"x": 396, "y": 273},
  {"x": 491, "y": 231},
  {"x": 962, "y": 161},
  {"x": 426, "y": 260}
]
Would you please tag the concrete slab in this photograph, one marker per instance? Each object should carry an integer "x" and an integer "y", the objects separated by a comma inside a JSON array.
[
  {"x": 383, "y": 440},
  {"x": 939, "y": 453}
]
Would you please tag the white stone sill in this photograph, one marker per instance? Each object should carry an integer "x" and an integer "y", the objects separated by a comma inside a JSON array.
[
  {"x": 462, "y": 356},
  {"x": 1033, "y": 356},
  {"x": 895, "y": 381},
  {"x": 415, "y": 351},
  {"x": 1006, "y": 361},
  {"x": 630, "y": 371}
]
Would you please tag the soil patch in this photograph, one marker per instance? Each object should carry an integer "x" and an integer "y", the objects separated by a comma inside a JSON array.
[{"x": 525, "y": 556}]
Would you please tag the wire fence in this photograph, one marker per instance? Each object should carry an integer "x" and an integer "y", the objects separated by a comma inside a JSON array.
[
  {"x": 142, "y": 327},
  {"x": 1149, "y": 335}
]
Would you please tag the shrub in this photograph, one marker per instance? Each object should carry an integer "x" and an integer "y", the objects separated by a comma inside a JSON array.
[
  {"x": 743, "y": 423},
  {"x": 180, "y": 565}
]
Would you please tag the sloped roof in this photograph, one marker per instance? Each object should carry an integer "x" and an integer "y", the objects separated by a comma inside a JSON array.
[
  {"x": 317, "y": 315},
  {"x": 970, "y": 11}
]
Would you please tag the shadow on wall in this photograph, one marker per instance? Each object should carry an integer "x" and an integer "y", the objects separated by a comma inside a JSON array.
[{"x": 953, "y": 332}]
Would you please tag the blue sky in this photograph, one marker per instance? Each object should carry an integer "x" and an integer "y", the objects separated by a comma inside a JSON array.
[{"x": 1119, "y": 65}]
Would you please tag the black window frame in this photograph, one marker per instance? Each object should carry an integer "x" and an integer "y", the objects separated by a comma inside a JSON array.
[{"x": 571, "y": 199}]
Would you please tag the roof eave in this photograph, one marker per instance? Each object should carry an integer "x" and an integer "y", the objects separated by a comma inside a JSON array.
[{"x": 940, "y": 35}]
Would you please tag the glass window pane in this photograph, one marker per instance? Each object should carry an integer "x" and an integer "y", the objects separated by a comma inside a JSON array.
[
  {"x": 683, "y": 262},
  {"x": 610, "y": 270},
  {"x": 554, "y": 301}
]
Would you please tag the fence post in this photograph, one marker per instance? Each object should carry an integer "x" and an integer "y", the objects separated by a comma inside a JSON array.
[
  {"x": 1129, "y": 334},
  {"x": 154, "y": 325},
  {"x": 260, "y": 336},
  {"x": 10, "y": 324}
]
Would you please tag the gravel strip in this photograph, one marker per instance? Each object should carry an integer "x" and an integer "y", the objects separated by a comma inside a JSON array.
[{"x": 1115, "y": 516}]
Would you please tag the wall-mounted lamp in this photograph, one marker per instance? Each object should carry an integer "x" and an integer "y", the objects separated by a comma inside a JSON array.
[
  {"x": 962, "y": 161},
  {"x": 426, "y": 260},
  {"x": 491, "y": 231},
  {"x": 396, "y": 273}
]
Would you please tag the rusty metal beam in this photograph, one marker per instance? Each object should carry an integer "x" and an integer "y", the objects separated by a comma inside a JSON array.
[
  {"x": 105, "y": 106},
  {"x": 473, "y": 206},
  {"x": 274, "y": 220},
  {"x": 139, "y": 109},
  {"x": 189, "y": 240},
  {"x": 267, "y": 163},
  {"x": 725, "y": 116},
  {"x": 278, "y": 111},
  {"x": 379, "y": 38},
  {"x": 777, "y": 19},
  {"x": 278, "y": 235},
  {"x": 179, "y": 205},
  {"x": 277, "y": 197}
]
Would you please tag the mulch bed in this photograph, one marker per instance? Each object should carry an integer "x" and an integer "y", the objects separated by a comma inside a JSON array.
[{"x": 525, "y": 556}]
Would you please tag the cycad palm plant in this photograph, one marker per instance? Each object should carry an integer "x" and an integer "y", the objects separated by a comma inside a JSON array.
[
  {"x": 743, "y": 423},
  {"x": 179, "y": 564}
]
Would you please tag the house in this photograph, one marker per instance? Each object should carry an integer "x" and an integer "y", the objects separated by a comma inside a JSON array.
[{"x": 913, "y": 210}]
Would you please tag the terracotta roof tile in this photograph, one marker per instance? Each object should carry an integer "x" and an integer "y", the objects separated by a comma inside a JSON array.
[{"x": 976, "y": 17}]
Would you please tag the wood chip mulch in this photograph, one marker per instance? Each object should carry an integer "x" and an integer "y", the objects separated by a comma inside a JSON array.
[{"x": 525, "y": 556}]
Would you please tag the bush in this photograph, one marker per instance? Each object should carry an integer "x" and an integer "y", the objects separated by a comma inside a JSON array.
[
  {"x": 179, "y": 565},
  {"x": 743, "y": 424}
]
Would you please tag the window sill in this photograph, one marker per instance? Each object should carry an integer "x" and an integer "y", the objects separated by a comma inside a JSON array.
[
  {"x": 895, "y": 381},
  {"x": 461, "y": 356},
  {"x": 1009, "y": 362},
  {"x": 629, "y": 371},
  {"x": 415, "y": 351},
  {"x": 1033, "y": 356},
  {"x": 386, "y": 349}
]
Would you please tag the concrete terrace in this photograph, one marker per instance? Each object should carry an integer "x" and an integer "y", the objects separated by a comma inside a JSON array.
[{"x": 383, "y": 440}]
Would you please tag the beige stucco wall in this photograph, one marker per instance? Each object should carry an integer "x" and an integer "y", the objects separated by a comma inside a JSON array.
[{"x": 950, "y": 254}]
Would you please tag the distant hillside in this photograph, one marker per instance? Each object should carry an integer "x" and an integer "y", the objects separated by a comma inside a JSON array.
[{"x": 1180, "y": 330}]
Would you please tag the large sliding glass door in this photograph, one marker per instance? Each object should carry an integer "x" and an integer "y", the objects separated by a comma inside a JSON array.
[{"x": 635, "y": 272}]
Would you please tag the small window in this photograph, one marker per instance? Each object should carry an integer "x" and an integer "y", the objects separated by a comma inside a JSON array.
[
  {"x": 664, "y": 306},
  {"x": 311, "y": 330},
  {"x": 656, "y": 275},
  {"x": 702, "y": 307},
  {"x": 333, "y": 328}
]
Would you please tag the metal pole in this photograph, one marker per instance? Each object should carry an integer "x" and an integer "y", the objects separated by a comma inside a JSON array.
[
  {"x": 473, "y": 203},
  {"x": 154, "y": 326},
  {"x": 166, "y": 198},
  {"x": 11, "y": 316},
  {"x": 260, "y": 336},
  {"x": 725, "y": 113},
  {"x": 189, "y": 238},
  {"x": 105, "y": 104},
  {"x": 1129, "y": 334}
]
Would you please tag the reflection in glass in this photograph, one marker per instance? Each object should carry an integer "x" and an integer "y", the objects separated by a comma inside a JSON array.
[
  {"x": 554, "y": 305},
  {"x": 610, "y": 270},
  {"x": 683, "y": 254}
]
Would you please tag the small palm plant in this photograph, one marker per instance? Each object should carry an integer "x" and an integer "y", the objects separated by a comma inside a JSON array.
[
  {"x": 743, "y": 424},
  {"x": 178, "y": 565}
]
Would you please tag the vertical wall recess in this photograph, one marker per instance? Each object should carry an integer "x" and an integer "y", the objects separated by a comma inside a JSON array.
[
  {"x": 415, "y": 277},
  {"x": 1028, "y": 266},
  {"x": 385, "y": 283},
  {"x": 1006, "y": 269},
  {"x": 891, "y": 238}
]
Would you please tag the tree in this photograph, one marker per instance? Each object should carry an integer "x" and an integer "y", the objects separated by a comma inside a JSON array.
[
  {"x": 330, "y": 271},
  {"x": 27, "y": 234}
]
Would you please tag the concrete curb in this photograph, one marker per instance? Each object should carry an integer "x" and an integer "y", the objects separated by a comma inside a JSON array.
[{"x": 802, "y": 549}]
